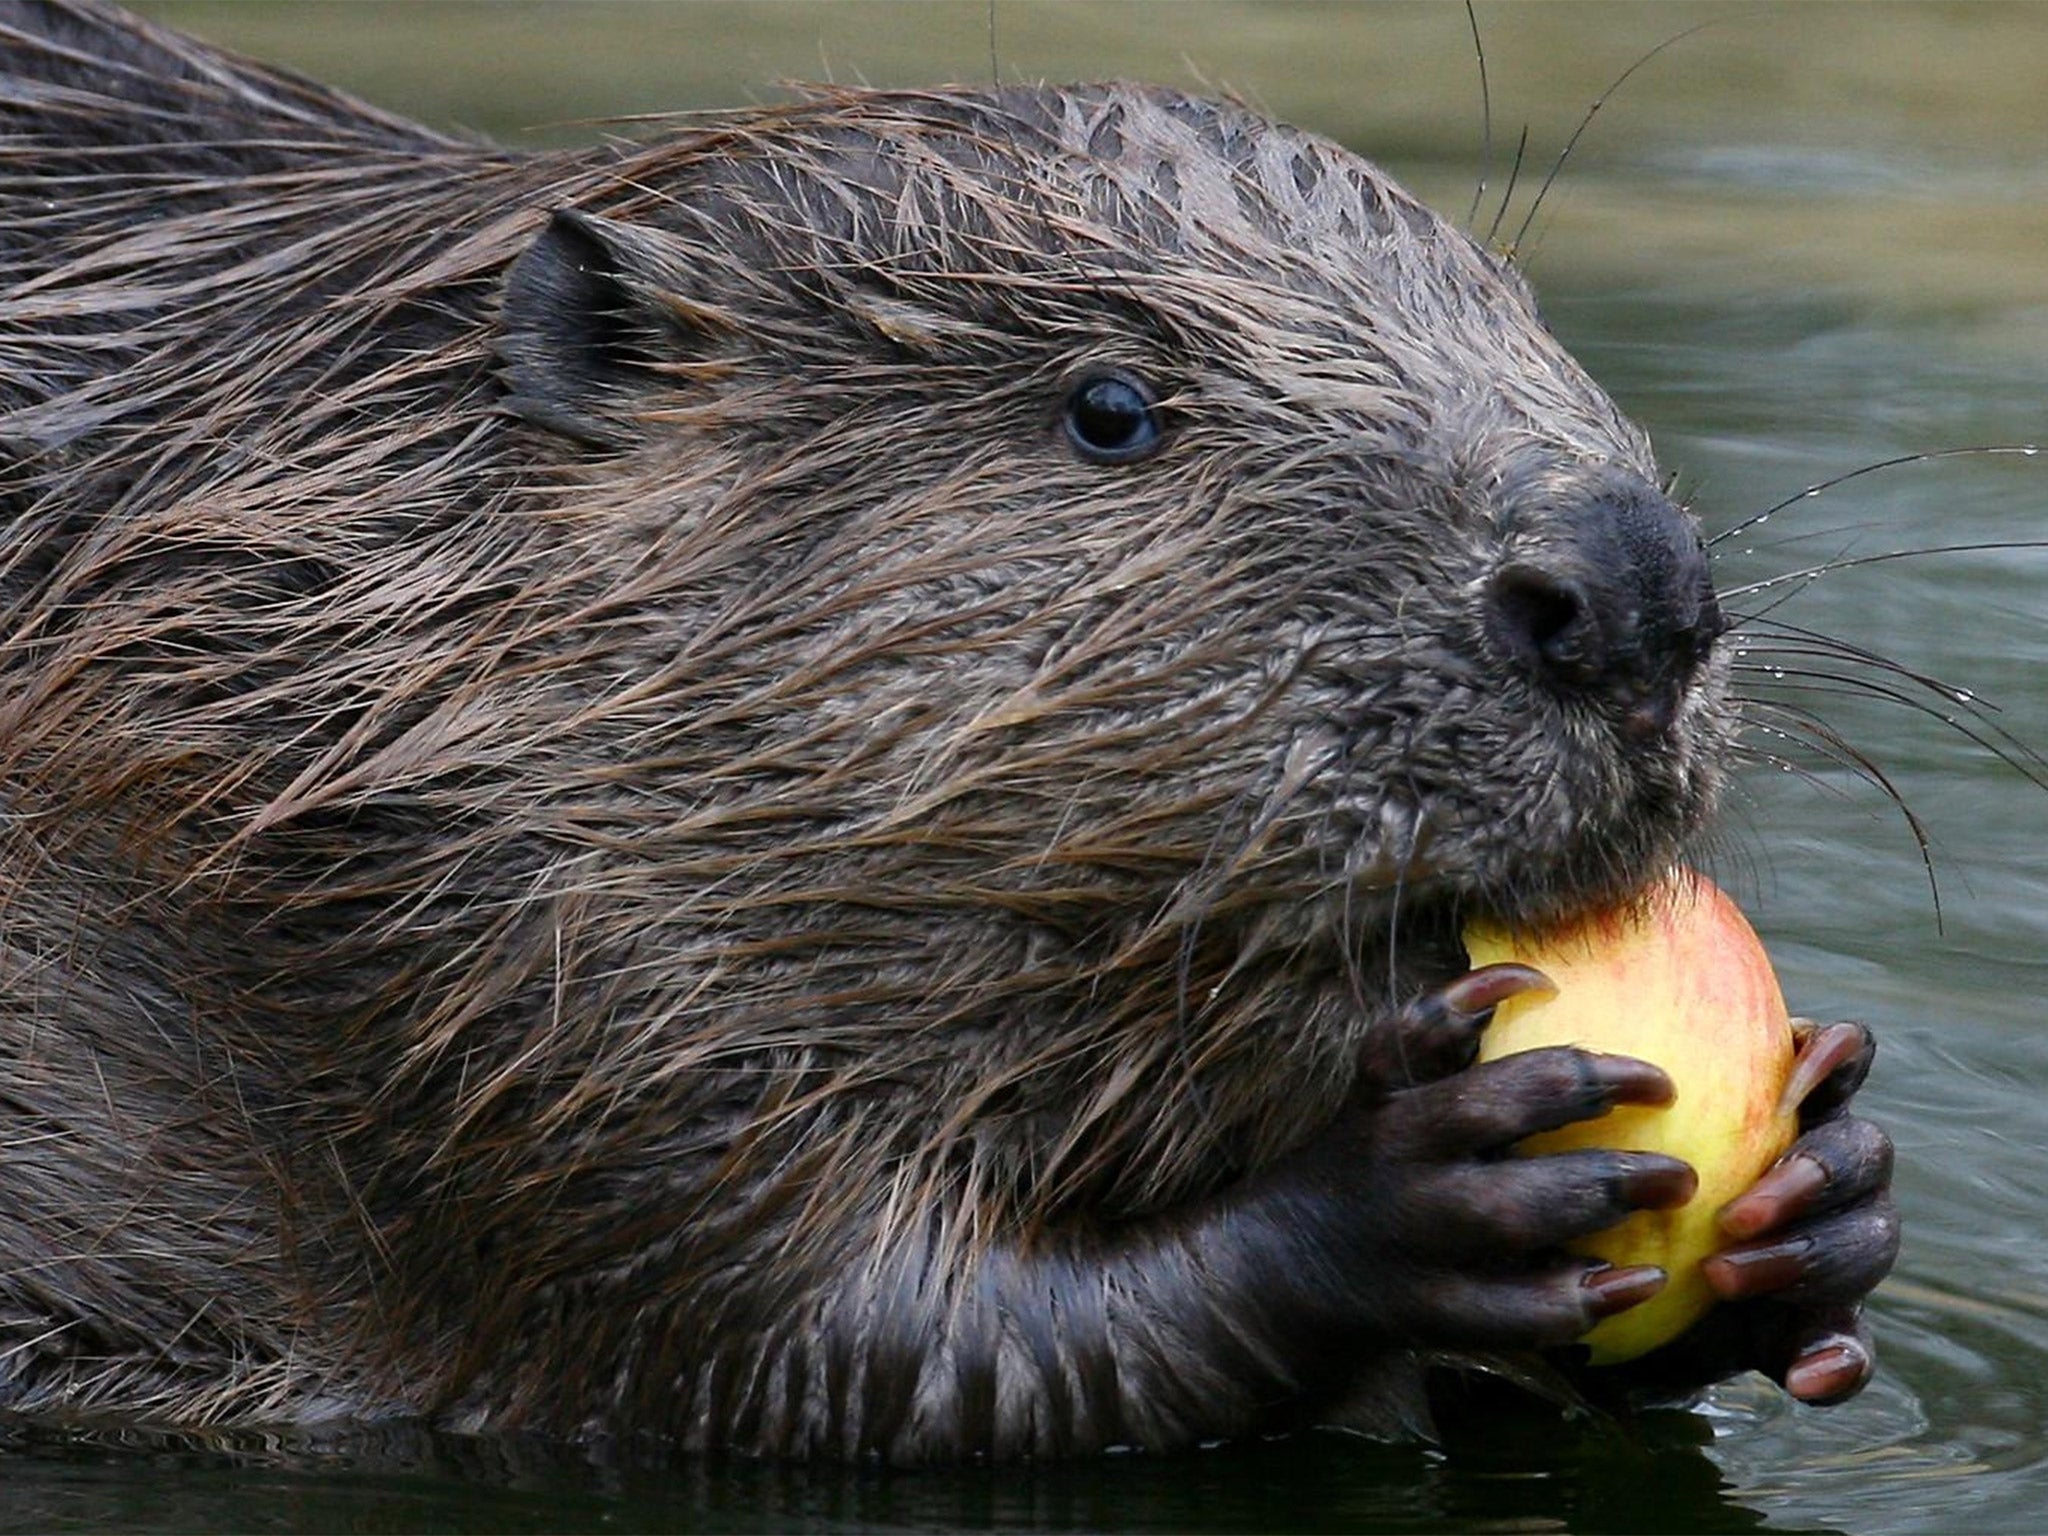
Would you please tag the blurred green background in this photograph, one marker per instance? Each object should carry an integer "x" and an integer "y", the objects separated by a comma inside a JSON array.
[{"x": 1903, "y": 99}]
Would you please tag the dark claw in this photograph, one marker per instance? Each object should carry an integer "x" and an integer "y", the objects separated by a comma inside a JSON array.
[
  {"x": 1479, "y": 992},
  {"x": 1833, "y": 1061},
  {"x": 1438, "y": 1033},
  {"x": 1833, "y": 1361},
  {"x": 1758, "y": 1269},
  {"x": 1656, "y": 1185},
  {"x": 1610, "y": 1290},
  {"x": 1611, "y": 1080},
  {"x": 1787, "y": 1191}
]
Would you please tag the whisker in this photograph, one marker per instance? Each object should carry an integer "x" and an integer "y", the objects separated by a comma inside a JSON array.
[
  {"x": 1806, "y": 575},
  {"x": 1794, "y": 586},
  {"x": 1749, "y": 755},
  {"x": 2014, "y": 754},
  {"x": 1586, "y": 122},
  {"x": 1507, "y": 196},
  {"x": 1821, "y": 487},
  {"x": 1802, "y": 747},
  {"x": 1832, "y": 744},
  {"x": 1485, "y": 118},
  {"x": 1786, "y": 638}
]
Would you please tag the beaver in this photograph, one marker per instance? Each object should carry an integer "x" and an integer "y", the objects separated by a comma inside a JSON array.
[{"x": 807, "y": 787}]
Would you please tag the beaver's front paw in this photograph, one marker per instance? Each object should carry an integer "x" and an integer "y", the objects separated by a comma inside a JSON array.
[
  {"x": 1809, "y": 1240},
  {"x": 1463, "y": 1244}
]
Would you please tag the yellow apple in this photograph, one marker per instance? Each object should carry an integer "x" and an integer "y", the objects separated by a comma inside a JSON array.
[{"x": 1678, "y": 979}]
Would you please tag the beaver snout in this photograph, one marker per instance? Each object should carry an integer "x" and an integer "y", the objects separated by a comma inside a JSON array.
[{"x": 1614, "y": 603}]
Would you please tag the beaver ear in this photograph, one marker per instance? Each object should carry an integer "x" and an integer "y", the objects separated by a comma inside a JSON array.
[{"x": 594, "y": 321}]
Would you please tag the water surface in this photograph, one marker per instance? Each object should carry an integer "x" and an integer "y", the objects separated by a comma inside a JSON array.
[{"x": 1798, "y": 242}]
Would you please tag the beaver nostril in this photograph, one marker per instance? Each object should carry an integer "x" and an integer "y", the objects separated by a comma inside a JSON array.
[
  {"x": 1606, "y": 595},
  {"x": 1546, "y": 621}
]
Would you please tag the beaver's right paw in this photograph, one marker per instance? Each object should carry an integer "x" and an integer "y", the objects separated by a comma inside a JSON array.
[{"x": 1455, "y": 1243}]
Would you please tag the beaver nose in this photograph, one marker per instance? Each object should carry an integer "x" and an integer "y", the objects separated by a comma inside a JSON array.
[{"x": 1613, "y": 602}]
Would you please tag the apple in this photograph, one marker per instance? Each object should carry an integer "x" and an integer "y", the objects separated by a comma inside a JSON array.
[{"x": 1677, "y": 978}]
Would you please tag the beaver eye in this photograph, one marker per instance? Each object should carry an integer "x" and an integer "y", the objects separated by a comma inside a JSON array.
[{"x": 1113, "y": 418}]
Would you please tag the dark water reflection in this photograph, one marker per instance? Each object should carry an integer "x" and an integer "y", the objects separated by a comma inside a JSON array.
[
  {"x": 1528, "y": 1473},
  {"x": 1804, "y": 241}
]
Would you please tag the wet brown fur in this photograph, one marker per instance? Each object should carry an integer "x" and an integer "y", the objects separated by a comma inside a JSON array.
[{"x": 560, "y": 897}]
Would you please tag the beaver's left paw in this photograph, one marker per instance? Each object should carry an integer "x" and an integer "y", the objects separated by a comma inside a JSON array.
[{"x": 1809, "y": 1240}]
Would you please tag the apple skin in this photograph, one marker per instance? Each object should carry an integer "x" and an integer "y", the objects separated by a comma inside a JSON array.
[{"x": 1677, "y": 978}]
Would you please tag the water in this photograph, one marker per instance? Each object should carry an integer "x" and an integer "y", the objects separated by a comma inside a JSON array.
[{"x": 1798, "y": 242}]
